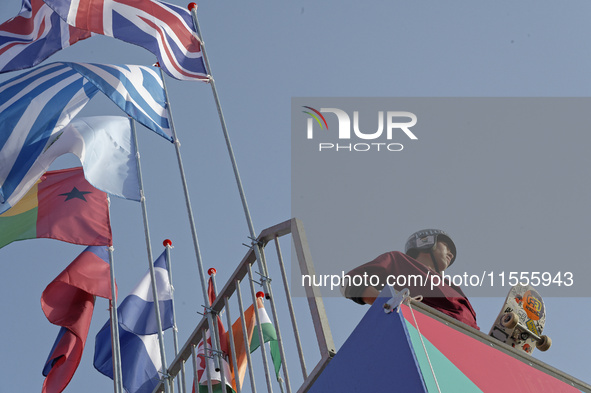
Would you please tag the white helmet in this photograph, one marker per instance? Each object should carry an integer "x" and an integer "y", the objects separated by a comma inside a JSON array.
[{"x": 426, "y": 240}]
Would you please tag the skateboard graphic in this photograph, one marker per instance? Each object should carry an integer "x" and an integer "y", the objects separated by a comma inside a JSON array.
[{"x": 521, "y": 320}]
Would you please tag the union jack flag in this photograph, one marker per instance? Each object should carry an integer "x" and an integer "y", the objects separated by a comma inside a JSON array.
[
  {"x": 164, "y": 29},
  {"x": 33, "y": 35}
]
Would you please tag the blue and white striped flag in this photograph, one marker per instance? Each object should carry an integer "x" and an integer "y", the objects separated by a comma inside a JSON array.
[
  {"x": 33, "y": 107},
  {"x": 33, "y": 35},
  {"x": 104, "y": 146},
  {"x": 140, "y": 358},
  {"x": 39, "y": 103},
  {"x": 140, "y": 351},
  {"x": 137, "y": 90},
  {"x": 136, "y": 312}
]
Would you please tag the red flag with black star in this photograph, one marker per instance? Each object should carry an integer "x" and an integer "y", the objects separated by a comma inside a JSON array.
[{"x": 62, "y": 206}]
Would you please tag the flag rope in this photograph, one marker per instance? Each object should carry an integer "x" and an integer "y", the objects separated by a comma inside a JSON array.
[{"x": 423, "y": 344}]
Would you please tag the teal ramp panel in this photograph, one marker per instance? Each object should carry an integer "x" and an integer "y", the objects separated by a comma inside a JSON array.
[{"x": 377, "y": 357}]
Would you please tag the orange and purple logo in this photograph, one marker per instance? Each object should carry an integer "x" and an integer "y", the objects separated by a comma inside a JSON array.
[{"x": 533, "y": 305}]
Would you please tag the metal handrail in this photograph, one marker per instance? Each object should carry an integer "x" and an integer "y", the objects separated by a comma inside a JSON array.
[{"x": 315, "y": 303}]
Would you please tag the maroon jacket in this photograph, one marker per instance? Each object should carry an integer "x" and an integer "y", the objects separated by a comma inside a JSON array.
[{"x": 449, "y": 299}]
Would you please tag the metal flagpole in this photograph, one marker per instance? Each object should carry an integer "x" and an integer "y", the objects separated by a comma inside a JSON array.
[
  {"x": 215, "y": 332},
  {"x": 259, "y": 329},
  {"x": 177, "y": 146},
  {"x": 115, "y": 347},
  {"x": 181, "y": 382},
  {"x": 249, "y": 363},
  {"x": 150, "y": 260},
  {"x": 264, "y": 279},
  {"x": 114, "y": 320}
]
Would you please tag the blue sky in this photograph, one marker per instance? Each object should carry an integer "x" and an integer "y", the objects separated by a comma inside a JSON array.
[{"x": 262, "y": 55}]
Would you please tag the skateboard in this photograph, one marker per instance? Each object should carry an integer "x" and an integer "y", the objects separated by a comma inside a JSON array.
[{"x": 521, "y": 320}]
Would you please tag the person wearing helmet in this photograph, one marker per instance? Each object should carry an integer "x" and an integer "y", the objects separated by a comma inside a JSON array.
[{"x": 427, "y": 252}]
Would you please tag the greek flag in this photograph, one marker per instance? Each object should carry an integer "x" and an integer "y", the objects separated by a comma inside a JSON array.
[
  {"x": 137, "y": 90},
  {"x": 38, "y": 104}
]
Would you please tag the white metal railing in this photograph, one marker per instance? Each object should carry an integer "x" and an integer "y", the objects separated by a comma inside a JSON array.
[{"x": 283, "y": 309}]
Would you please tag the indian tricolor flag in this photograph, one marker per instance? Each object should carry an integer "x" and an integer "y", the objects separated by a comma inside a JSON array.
[
  {"x": 269, "y": 335},
  {"x": 62, "y": 205}
]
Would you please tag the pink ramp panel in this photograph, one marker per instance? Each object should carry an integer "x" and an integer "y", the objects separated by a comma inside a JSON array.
[{"x": 488, "y": 368}]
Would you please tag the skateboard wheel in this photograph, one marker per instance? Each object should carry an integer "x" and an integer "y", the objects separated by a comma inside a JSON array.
[
  {"x": 544, "y": 343},
  {"x": 509, "y": 320}
]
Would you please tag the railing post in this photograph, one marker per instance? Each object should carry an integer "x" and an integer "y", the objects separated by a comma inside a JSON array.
[{"x": 323, "y": 333}]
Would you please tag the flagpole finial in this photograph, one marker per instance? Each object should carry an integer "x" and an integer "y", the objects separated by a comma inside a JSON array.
[
  {"x": 191, "y": 6},
  {"x": 167, "y": 243},
  {"x": 260, "y": 294},
  {"x": 211, "y": 271}
]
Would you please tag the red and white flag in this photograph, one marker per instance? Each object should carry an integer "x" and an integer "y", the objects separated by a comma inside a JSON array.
[{"x": 33, "y": 35}]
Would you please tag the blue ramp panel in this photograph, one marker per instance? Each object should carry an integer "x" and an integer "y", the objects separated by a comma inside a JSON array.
[{"x": 377, "y": 357}]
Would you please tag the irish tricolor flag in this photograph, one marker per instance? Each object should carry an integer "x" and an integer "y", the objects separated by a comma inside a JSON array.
[{"x": 62, "y": 205}]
